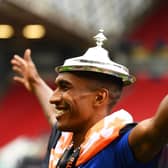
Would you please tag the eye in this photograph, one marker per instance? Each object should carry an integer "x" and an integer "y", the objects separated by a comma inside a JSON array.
[{"x": 64, "y": 86}]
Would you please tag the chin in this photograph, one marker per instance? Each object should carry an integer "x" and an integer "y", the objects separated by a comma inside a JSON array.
[{"x": 62, "y": 127}]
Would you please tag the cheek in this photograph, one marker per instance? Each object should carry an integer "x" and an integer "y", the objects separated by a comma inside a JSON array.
[
  {"x": 79, "y": 104},
  {"x": 83, "y": 107}
]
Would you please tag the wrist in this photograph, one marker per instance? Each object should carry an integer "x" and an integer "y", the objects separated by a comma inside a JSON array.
[{"x": 36, "y": 83}]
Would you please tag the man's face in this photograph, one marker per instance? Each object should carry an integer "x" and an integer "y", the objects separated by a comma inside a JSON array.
[{"x": 73, "y": 102}]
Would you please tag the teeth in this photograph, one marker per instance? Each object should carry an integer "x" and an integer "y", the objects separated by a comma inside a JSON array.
[{"x": 59, "y": 112}]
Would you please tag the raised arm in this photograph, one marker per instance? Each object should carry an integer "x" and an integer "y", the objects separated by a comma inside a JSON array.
[
  {"x": 28, "y": 75},
  {"x": 149, "y": 136}
]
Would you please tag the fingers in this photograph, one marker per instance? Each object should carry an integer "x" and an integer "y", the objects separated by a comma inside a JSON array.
[
  {"x": 17, "y": 69},
  {"x": 18, "y": 79},
  {"x": 18, "y": 65},
  {"x": 22, "y": 65},
  {"x": 22, "y": 81},
  {"x": 27, "y": 55},
  {"x": 14, "y": 62},
  {"x": 17, "y": 60}
]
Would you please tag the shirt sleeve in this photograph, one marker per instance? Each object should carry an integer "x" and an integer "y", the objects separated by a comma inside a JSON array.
[
  {"x": 126, "y": 156},
  {"x": 114, "y": 155},
  {"x": 117, "y": 155}
]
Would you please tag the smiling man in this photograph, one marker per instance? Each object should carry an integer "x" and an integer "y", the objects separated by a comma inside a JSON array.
[{"x": 85, "y": 133}]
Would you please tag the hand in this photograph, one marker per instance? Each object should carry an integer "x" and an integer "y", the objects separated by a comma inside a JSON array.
[{"x": 26, "y": 70}]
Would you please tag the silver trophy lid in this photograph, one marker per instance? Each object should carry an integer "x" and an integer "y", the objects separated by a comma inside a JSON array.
[{"x": 96, "y": 59}]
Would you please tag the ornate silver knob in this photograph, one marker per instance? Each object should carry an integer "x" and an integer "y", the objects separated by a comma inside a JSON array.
[{"x": 100, "y": 38}]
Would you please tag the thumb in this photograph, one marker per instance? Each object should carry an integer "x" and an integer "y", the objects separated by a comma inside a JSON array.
[{"x": 27, "y": 55}]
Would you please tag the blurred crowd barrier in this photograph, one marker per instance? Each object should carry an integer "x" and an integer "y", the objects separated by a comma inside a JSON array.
[{"x": 141, "y": 60}]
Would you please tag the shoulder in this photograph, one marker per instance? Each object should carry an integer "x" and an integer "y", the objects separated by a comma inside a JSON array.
[
  {"x": 113, "y": 155},
  {"x": 117, "y": 154},
  {"x": 127, "y": 128}
]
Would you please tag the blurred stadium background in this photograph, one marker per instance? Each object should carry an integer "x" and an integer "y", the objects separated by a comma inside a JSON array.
[{"x": 137, "y": 32}]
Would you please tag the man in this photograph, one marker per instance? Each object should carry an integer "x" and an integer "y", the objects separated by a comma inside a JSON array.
[{"x": 85, "y": 133}]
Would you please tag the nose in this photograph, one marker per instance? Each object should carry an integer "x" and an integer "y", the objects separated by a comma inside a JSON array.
[{"x": 56, "y": 97}]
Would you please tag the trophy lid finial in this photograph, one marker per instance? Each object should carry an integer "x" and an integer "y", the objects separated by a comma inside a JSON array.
[{"x": 100, "y": 38}]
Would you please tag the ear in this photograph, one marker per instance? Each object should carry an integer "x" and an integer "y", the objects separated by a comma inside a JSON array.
[{"x": 101, "y": 97}]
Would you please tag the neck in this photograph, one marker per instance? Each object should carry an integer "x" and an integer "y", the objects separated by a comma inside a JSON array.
[
  {"x": 77, "y": 140},
  {"x": 79, "y": 134}
]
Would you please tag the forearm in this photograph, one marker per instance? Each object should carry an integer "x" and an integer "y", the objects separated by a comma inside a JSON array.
[
  {"x": 150, "y": 135},
  {"x": 43, "y": 93}
]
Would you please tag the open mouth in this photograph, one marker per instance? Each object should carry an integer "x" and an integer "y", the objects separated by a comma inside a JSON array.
[
  {"x": 59, "y": 112},
  {"x": 61, "y": 109}
]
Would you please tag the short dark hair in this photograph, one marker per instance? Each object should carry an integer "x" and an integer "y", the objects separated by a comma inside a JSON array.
[
  {"x": 101, "y": 77},
  {"x": 112, "y": 83}
]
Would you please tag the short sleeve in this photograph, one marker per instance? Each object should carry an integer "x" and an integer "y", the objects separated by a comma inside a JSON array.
[
  {"x": 124, "y": 153},
  {"x": 127, "y": 158},
  {"x": 118, "y": 155}
]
